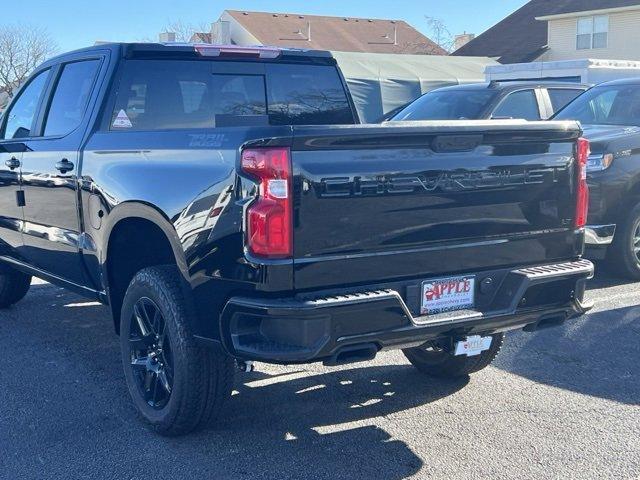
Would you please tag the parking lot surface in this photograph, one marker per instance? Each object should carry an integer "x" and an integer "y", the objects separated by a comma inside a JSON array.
[{"x": 561, "y": 403}]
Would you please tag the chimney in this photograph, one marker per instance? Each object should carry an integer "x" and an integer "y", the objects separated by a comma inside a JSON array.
[
  {"x": 167, "y": 37},
  {"x": 462, "y": 39},
  {"x": 221, "y": 32}
]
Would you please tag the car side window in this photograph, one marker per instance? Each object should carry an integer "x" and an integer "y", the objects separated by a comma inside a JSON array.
[
  {"x": 562, "y": 96},
  {"x": 71, "y": 96},
  {"x": 21, "y": 114},
  {"x": 522, "y": 104}
]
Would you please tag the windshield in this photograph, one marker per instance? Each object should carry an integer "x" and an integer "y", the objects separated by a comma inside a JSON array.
[
  {"x": 448, "y": 105},
  {"x": 606, "y": 105}
]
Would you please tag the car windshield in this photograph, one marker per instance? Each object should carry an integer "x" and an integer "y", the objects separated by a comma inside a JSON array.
[
  {"x": 448, "y": 105},
  {"x": 606, "y": 105}
]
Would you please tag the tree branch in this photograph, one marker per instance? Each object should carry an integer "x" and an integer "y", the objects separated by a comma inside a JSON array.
[{"x": 22, "y": 48}]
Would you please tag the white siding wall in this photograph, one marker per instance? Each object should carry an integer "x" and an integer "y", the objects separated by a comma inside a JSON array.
[
  {"x": 239, "y": 34},
  {"x": 624, "y": 39}
]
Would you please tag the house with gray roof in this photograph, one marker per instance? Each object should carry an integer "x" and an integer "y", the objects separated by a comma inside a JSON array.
[{"x": 552, "y": 30}]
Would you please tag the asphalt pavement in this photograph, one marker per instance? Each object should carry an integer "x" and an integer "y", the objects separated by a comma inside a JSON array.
[{"x": 561, "y": 403}]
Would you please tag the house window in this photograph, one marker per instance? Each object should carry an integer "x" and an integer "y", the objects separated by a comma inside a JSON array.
[{"x": 593, "y": 32}]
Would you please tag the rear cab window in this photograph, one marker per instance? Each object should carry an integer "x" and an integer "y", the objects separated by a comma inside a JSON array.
[
  {"x": 191, "y": 94},
  {"x": 306, "y": 95}
]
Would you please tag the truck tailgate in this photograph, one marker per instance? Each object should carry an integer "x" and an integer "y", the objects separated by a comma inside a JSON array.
[{"x": 426, "y": 199}]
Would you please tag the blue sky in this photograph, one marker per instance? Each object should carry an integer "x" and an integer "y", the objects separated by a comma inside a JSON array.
[{"x": 78, "y": 23}]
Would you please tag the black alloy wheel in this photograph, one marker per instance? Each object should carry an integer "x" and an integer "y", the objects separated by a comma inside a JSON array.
[
  {"x": 151, "y": 358},
  {"x": 176, "y": 384}
]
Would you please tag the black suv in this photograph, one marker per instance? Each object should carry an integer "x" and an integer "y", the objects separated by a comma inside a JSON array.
[
  {"x": 610, "y": 116},
  {"x": 495, "y": 100}
]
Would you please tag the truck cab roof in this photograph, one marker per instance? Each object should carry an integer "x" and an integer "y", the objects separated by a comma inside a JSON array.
[{"x": 205, "y": 51}]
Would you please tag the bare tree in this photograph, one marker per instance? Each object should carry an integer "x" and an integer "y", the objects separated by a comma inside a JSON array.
[
  {"x": 439, "y": 33},
  {"x": 184, "y": 30},
  {"x": 22, "y": 48}
]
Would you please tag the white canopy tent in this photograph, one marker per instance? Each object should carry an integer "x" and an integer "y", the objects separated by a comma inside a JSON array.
[{"x": 381, "y": 82}]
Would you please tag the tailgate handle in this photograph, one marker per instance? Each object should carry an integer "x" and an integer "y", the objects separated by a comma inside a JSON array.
[{"x": 456, "y": 143}]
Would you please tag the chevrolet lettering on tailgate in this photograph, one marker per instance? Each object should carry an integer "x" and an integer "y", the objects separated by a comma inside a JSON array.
[{"x": 447, "y": 182}]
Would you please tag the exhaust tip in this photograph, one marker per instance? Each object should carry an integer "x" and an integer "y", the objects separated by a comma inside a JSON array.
[
  {"x": 546, "y": 322},
  {"x": 352, "y": 354}
]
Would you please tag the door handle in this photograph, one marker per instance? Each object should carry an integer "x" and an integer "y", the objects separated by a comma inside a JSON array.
[
  {"x": 12, "y": 163},
  {"x": 64, "y": 165}
]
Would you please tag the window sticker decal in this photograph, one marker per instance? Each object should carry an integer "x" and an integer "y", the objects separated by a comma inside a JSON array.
[{"x": 122, "y": 120}]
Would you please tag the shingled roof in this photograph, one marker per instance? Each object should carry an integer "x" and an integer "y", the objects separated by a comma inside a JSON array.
[
  {"x": 345, "y": 34},
  {"x": 522, "y": 38}
]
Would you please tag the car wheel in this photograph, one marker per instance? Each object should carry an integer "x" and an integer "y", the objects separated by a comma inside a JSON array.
[
  {"x": 176, "y": 385},
  {"x": 14, "y": 285},
  {"x": 624, "y": 254},
  {"x": 439, "y": 362}
]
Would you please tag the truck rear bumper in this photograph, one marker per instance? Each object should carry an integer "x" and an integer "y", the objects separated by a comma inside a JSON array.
[{"x": 355, "y": 325}]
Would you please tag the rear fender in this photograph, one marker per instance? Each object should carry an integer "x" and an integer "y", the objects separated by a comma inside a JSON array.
[{"x": 147, "y": 212}]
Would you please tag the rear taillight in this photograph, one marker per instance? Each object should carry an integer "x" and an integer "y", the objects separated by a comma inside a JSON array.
[
  {"x": 582, "y": 203},
  {"x": 269, "y": 218}
]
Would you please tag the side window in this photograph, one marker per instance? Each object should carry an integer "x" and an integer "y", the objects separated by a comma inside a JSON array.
[
  {"x": 602, "y": 105},
  {"x": 22, "y": 113},
  {"x": 522, "y": 104},
  {"x": 307, "y": 95},
  {"x": 157, "y": 95},
  {"x": 562, "y": 96},
  {"x": 71, "y": 96}
]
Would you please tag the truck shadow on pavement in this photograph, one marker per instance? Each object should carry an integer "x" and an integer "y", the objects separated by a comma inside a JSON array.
[
  {"x": 63, "y": 393},
  {"x": 330, "y": 425}
]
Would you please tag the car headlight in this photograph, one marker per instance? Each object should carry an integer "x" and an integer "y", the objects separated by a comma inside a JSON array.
[{"x": 599, "y": 162}]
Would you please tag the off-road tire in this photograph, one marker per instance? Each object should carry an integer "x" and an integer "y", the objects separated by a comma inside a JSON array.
[
  {"x": 621, "y": 257},
  {"x": 202, "y": 377},
  {"x": 14, "y": 285},
  {"x": 443, "y": 364}
]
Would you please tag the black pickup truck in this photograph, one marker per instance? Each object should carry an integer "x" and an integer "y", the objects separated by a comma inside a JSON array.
[{"x": 184, "y": 187}]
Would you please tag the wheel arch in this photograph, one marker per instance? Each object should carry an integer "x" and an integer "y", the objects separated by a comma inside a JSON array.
[{"x": 137, "y": 235}]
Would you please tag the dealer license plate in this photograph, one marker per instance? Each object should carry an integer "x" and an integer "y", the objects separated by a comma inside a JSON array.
[
  {"x": 473, "y": 345},
  {"x": 447, "y": 294}
]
